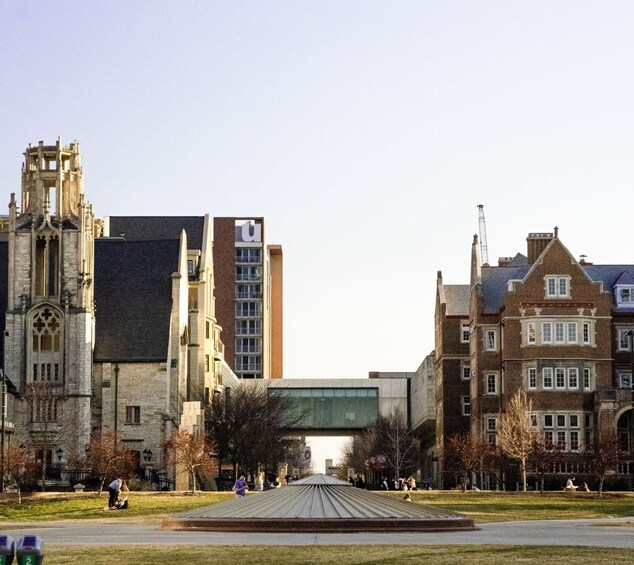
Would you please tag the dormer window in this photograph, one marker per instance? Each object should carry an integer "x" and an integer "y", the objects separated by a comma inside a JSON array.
[
  {"x": 557, "y": 287},
  {"x": 625, "y": 296}
]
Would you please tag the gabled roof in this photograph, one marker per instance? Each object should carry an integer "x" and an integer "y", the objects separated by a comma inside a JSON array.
[
  {"x": 152, "y": 228},
  {"x": 133, "y": 299},
  {"x": 457, "y": 297},
  {"x": 626, "y": 278}
]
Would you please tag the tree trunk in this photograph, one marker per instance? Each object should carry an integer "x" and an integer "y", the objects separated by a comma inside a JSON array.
[
  {"x": 600, "y": 487},
  {"x": 44, "y": 473},
  {"x": 523, "y": 467}
]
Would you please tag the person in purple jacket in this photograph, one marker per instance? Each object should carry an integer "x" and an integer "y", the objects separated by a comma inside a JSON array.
[{"x": 241, "y": 487}]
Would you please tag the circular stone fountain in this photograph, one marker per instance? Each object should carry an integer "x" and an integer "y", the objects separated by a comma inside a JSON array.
[{"x": 319, "y": 504}]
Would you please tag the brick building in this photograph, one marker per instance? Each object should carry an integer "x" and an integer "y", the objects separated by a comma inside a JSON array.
[
  {"x": 249, "y": 282},
  {"x": 559, "y": 328}
]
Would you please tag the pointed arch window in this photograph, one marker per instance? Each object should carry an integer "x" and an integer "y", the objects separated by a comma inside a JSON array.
[
  {"x": 46, "y": 346},
  {"x": 46, "y": 264}
]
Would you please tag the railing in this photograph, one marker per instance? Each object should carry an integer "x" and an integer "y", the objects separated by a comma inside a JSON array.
[
  {"x": 249, "y": 367},
  {"x": 251, "y": 277},
  {"x": 249, "y": 349},
  {"x": 257, "y": 260},
  {"x": 248, "y": 295}
]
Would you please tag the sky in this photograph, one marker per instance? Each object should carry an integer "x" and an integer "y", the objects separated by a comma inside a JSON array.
[{"x": 366, "y": 133}]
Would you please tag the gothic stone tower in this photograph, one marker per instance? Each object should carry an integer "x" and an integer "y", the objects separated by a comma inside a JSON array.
[{"x": 50, "y": 314}]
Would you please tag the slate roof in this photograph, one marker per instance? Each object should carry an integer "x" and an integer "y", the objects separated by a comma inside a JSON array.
[
  {"x": 319, "y": 503},
  {"x": 495, "y": 280},
  {"x": 152, "y": 228},
  {"x": 495, "y": 285},
  {"x": 133, "y": 298}
]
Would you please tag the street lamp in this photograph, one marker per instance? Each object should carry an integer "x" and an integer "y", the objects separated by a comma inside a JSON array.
[
  {"x": 4, "y": 415},
  {"x": 60, "y": 454},
  {"x": 147, "y": 455}
]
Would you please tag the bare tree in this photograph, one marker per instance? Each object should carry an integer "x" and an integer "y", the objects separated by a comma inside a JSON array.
[
  {"x": 21, "y": 466},
  {"x": 388, "y": 440},
  {"x": 247, "y": 425},
  {"x": 466, "y": 454},
  {"x": 541, "y": 457},
  {"x": 45, "y": 408},
  {"x": 106, "y": 456},
  {"x": 189, "y": 453},
  {"x": 515, "y": 433},
  {"x": 605, "y": 455}
]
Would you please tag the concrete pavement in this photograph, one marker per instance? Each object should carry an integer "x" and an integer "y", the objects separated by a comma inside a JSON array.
[{"x": 598, "y": 533}]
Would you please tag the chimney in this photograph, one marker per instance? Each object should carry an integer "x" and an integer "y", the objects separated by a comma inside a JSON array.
[
  {"x": 504, "y": 261},
  {"x": 535, "y": 245}
]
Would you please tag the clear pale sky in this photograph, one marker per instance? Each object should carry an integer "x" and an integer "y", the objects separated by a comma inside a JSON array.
[{"x": 366, "y": 133}]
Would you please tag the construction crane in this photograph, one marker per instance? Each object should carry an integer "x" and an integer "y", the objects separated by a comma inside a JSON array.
[{"x": 484, "y": 251}]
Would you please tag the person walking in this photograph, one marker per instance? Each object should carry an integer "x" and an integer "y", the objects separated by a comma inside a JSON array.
[{"x": 241, "y": 487}]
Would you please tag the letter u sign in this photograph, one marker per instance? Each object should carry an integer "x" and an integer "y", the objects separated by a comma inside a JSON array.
[{"x": 251, "y": 233}]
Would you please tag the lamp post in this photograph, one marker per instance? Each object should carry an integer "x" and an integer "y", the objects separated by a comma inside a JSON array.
[
  {"x": 631, "y": 442},
  {"x": 4, "y": 410}
]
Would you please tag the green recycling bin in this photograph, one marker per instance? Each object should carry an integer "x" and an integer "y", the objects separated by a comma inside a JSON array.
[
  {"x": 30, "y": 550},
  {"x": 7, "y": 549}
]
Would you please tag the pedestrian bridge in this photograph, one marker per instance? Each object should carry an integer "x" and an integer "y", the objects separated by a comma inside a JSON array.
[{"x": 339, "y": 406}]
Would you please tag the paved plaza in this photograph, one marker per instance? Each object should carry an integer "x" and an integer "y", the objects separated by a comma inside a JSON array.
[{"x": 611, "y": 532}]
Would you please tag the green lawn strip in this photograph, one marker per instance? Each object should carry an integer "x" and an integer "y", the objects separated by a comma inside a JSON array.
[
  {"x": 483, "y": 507},
  {"x": 336, "y": 554}
]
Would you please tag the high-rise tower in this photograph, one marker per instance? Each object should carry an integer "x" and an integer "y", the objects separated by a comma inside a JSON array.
[{"x": 50, "y": 311}]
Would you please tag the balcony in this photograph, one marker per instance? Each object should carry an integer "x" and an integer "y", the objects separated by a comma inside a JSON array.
[
  {"x": 249, "y": 348},
  {"x": 249, "y": 260},
  {"x": 243, "y": 295},
  {"x": 257, "y": 367}
]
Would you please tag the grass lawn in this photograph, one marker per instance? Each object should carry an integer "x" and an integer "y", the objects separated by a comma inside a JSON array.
[
  {"x": 153, "y": 507},
  {"x": 338, "y": 554}
]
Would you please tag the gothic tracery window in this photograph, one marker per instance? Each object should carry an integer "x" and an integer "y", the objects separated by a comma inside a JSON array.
[{"x": 46, "y": 347}]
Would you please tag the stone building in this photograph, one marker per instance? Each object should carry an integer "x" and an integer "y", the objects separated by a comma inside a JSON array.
[
  {"x": 111, "y": 321},
  {"x": 559, "y": 328}
]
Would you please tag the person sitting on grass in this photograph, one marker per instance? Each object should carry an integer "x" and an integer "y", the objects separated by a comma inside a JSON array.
[{"x": 570, "y": 485}]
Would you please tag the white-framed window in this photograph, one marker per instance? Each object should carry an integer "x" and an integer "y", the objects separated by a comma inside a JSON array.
[
  {"x": 587, "y": 378},
  {"x": 563, "y": 378},
  {"x": 559, "y": 333},
  {"x": 625, "y": 380},
  {"x": 548, "y": 438},
  {"x": 491, "y": 383},
  {"x": 573, "y": 377},
  {"x": 534, "y": 420},
  {"x": 532, "y": 377},
  {"x": 587, "y": 337},
  {"x": 547, "y": 377},
  {"x": 624, "y": 340},
  {"x": 466, "y": 371},
  {"x": 491, "y": 428},
  {"x": 464, "y": 332},
  {"x": 466, "y": 406},
  {"x": 547, "y": 332},
  {"x": 557, "y": 286},
  {"x": 563, "y": 430},
  {"x": 531, "y": 333},
  {"x": 491, "y": 340},
  {"x": 572, "y": 332},
  {"x": 248, "y": 309},
  {"x": 560, "y": 377},
  {"x": 625, "y": 295}
]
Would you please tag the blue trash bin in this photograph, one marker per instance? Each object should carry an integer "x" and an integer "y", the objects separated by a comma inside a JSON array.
[
  {"x": 7, "y": 549},
  {"x": 30, "y": 550}
]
